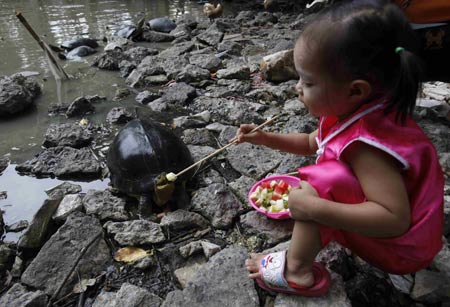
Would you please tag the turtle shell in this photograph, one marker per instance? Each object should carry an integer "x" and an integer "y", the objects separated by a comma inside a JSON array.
[
  {"x": 142, "y": 150},
  {"x": 80, "y": 41}
]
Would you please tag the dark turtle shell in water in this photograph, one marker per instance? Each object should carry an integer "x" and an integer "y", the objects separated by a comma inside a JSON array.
[
  {"x": 140, "y": 152},
  {"x": 80, "y": 41},
  {"x": 162, "y": 24}
]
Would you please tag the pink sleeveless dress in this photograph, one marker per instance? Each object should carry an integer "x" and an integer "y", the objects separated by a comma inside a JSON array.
[{"x": 422, "y": 174}]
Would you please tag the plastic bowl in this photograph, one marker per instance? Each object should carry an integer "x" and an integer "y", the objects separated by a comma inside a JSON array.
[{"x": 291, "y": 180}]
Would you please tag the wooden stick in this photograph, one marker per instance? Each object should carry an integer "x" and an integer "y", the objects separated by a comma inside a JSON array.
[
  {"x": 232, "y": 142},
  {"x": 40, "y": 42}
]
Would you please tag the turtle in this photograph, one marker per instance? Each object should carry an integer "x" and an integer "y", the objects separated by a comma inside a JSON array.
[
  {"x": 79, "y": 41},
  {"x": 78, "y": 52},
  {"x": 131, "y": 31},
  {"x": 162, "y": 24},
  {"x": 140, "y": 152}
]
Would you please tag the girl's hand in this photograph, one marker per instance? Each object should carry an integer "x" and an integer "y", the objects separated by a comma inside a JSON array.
[
  {"x": 243, "y": 135},
  {"x": 301, "y": 201}
]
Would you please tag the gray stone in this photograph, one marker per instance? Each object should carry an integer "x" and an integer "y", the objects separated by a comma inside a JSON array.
[
  {"x": 226, "y": 88},
  {"x": 241, "y": 187},
  {"x": 158, "y": 105},
  {"x": 275, "y": 231},
  {"x": 156, "y": 79},
  {"x": 147, "y": 96},
  {"x": 138, "y": 53},
  {"x": 402, "y": 283},
  {"x": 279, "y": 67},
  {"x": 263, "y": 18},
  {"x": 177, "y": 50},
  {"x": 64, "y": 188},
  {"x": 136, "y": 232},
  {"x": 128, "y": 295},
  {"x": 63, "y": 162},
  {"x": 188, "y": 271},
  {"x": 198, "y": 136},
  {"x": 105, "y": 205},
  {"x": 80, "y": 106},
  {"x": 206, "y": 61},
  {"x": 186, "y": 122},
  {"x": 121, "y": 93},
  {"x": 179, "y": 94},
  {"x": 157, "y": 37},
  {"x": 258, "y": 160},
  {"x": 211, "y": 36},
  {"x": 119, "y": 115},
  {"x": 4, "y": 162},
  {"x": 36, "y": 233},
  {"x": 68, "y": 134},
  {"x": 235, "y": 72},
  {"x": 18, "y": 267},
  {"x": 109, "y": 60},
  {"x": 7, "y": 255},
  {"x": 199, "y": 152},
  {"x": 218, "y": 204},
  {"x": 230, "y": 47},
  {"x": 441, "y": 261},
  {"x": 222, "y": 281},
  {"x": 208, "y": 248},
  {"x": 69, "y": 204},
  {"x": 17, "y": 94},
  {"x": 431, "y": 287},
  {"x": 192, "y": 73},
  {"x": 55, "y": 259},
  {"x": 182, "y": 219},
  {"x": 17, "y": 226},
  {"x": 18, "y": 296}
]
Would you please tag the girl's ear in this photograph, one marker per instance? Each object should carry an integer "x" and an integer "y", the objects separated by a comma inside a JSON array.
[{"x": 360, "y": 90}]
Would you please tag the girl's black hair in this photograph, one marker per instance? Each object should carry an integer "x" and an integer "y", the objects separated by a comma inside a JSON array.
[{"x": 358, "y": 40}]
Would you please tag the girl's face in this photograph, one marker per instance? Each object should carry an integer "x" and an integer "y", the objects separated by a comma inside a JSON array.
[{"x": 316, "y": 89}]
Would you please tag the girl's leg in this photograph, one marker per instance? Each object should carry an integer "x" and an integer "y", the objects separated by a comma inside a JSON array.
[{"x": 304, "y": 246}]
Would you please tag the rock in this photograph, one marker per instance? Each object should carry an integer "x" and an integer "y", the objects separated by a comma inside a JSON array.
[
  {"x": 147, "y": 96},
  {"x": 258, "y": 160},
  {"x": 179, "y": 94},
  {"x": 192, "y": 73},
  {"x": 402, "y": 283},
  {"x": 336, "y": 297},
  {"x": 109, "y": 60},
  {"x": 186, "y": 122},
  {"x": 208, "y": 249},
  {"x": 156, "y": 80},
  {"x": 222, "y": 281},
  {"x": 69, "y": 204},
  {"x": 18, "y": 295},
  {"x": 274, "y": 231},
  {"x": 136, "y": 232},
  {"x": 241, "y": 187},
  {"x": 17, "y": 226},
  {"x": 157, "y": 37},
  {"x": 431, "y": 287},
  {"x": 69, "y": 134},
  {"x": 64, "y": 188},
  {"x": 119, "y": 115},
  {"x": 187, "y": 272},
  {"x": 121, "y": 93},
  {"x": 158, "y": 105},
  {"x": 4, "y": 162},
  {"x": 36, "y": 233},
  {"x": 263, "y": 18},
  {"x": 105, "y": 205},
  {"x": 206, "y": 61},
  {"x": 225, "y": 88},
  {"x": 80, "y": 106},
  {"x": 199, "y": 152},
  {"x": 177, "y": 50},
  {"x": 199, "y": 136},
  {"x": 55, "y": 259},
  {"x": 128, "y": 295},
  {"x": 17, "y": 268},
  {"x": 63, "y": 162},
  {"x": 230, "y": 47},
  {"x": 279, "y": 67},
  {"x": 7, "y": 255},
  {"x": 212, "y": 37},
  {"x": 17, "y": 94},
  {"x": 218, "y": 204},
  {"x": 182, "y": 219},
  {"x": 236, "y": 72},
  {"x": 138, "y": 53}
]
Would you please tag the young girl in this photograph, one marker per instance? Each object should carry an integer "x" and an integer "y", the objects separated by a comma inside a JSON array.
[{"x": 377, "y": 187}]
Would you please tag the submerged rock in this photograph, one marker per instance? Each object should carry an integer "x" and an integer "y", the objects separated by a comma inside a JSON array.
[
  {"x": 69, "y": 134},
  {"x": 17, "y": 94}
]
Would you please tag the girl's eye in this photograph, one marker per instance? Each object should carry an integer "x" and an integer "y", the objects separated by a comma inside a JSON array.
[{"x": 307, "y": 84}]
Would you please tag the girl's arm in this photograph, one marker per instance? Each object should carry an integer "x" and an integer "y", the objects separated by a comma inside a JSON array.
[
  {"x": 386, "y": 213},
  {"x": 296, "y": 143}
]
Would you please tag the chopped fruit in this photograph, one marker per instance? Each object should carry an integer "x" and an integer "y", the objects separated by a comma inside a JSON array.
[
  {"x": 272, "y": 196},
  {"x": 171, "y": 177}
]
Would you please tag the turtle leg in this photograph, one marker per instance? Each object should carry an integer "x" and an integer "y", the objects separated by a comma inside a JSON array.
[{"x": 144, "y": 207}]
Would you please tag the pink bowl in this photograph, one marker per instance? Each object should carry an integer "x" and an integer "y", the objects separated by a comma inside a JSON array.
[{"x": 291, "y": 180}]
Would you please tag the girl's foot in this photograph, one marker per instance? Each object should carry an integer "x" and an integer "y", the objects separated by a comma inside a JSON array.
[{"x": 299, "y": 275}]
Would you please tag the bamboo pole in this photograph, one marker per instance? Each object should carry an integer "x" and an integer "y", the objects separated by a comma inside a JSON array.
[{"x": 40, "y": 42}]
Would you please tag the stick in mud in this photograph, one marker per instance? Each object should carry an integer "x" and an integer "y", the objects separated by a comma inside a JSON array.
[{"x": 41, "y": 43}]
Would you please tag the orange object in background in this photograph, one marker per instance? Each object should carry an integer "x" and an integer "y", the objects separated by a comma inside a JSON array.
[{"x": 426, "y": 11}]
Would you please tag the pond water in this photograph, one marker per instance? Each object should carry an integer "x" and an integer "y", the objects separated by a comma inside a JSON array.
[{"x": 56, "y": 21}]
